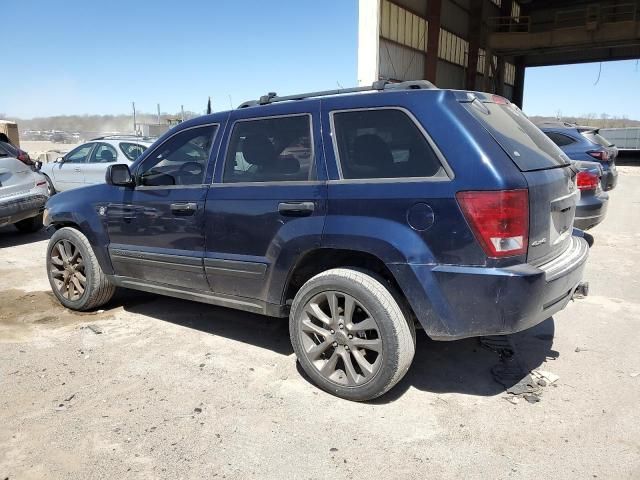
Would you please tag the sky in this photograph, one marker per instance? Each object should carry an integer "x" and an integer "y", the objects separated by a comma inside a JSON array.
[
  {"x": 574, "y": 90},
  {"x": 77, "y": 57}
]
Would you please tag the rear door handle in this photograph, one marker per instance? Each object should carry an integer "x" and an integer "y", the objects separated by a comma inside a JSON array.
[
  {"x": 296, "y": 209},
  {"x": 184, "y": 208}
]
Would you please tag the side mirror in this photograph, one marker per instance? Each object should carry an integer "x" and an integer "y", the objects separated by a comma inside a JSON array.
[
  {"x": 119, "y": 175},
  {"x": 59, "y": 160},
  {"x": 37, "y": 165}
]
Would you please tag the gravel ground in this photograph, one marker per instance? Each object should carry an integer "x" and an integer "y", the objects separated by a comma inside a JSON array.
[{"x": 173, "y": 389}]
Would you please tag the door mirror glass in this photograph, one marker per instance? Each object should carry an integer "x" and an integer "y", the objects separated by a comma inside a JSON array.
[
  {"x": 37, "y": 165},
  {"x": 59, "y": 160},
  {"x": 119, "y": 175}
]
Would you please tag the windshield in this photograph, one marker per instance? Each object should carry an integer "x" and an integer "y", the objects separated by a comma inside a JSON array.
[{"x": 528, "y": 147}]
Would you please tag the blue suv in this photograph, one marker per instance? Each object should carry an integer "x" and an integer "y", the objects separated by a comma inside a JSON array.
[
  {"x": 585, "y": 144},
  {"x": 359, "y": 214}
]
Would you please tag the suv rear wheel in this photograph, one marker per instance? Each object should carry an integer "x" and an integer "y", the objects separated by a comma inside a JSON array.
[
  {"x": 74, "y": 273},
  {"x": 350, "y": 334}
]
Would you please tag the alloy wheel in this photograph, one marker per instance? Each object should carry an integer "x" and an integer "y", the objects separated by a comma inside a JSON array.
[
  {"x": 341, "y": 339},
  {"x": 67, "y": 269}
]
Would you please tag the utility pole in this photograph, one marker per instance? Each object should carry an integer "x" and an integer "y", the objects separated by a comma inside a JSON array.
[
  {"x": 182, "y": 113},
  {"x": 133, "y": 104},
  {"x": 158, "y": 114}
]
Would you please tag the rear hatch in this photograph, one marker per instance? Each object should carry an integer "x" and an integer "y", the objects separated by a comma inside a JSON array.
[
  {"x": 593, "y": 135},
  {"x": 15, "y": 177},
  {"x": 551, "y": 178}
]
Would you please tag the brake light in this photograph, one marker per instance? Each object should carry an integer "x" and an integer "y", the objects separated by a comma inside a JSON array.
[
  {"x": 587, "y": 181},
  {"x": 499, "y": 220},
  {"x": 24, "y": 157},
  {"x": 601, "y": 155},
  {"x": 498, "y": 100}
]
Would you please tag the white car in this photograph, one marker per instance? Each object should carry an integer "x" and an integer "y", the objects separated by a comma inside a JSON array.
[
  {"x": 87, "y": 164},
  {"x": 23, "y": 191}
]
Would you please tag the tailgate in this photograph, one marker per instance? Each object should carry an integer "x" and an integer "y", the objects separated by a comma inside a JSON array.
[
  {"x": 551, "y": 179},
  {"x": 15, "y": 177},
  {"x": 552, "y": 207}
]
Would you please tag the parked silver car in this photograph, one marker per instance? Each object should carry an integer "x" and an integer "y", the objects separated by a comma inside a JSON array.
[
  {"x": 23, "y": 191},
  {"x": 87, "y": 163}
]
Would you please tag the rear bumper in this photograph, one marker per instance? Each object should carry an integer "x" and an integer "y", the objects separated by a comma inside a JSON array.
[
  {"x": 15, "y": 209},
  {"x": 591, "y": 210},
  {"x": 609, "y": 178},
  {"x": 453, "y": 302}
]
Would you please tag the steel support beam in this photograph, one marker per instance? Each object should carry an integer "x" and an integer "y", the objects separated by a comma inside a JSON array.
[{"x": 434, "y": 9}]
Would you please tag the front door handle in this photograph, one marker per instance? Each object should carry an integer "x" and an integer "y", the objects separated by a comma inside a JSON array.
[
  {"x": 77, "y": 169},
  {"x": 184, "y": 208},
  {"x": 296, "y": 209}
]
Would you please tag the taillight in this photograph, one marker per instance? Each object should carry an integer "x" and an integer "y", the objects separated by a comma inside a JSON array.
[
  {"x": 601, "y": 155},
  {"x": 587, "y": 181},
  {"x": 24, "y": 157},
  {"x": 498, "y": 100},
  {"x": 499, "y": 220}
]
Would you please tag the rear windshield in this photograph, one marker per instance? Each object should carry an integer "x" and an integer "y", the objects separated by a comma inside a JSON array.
[
  {"x": 528, "y": 147},
  {"x": 596, "y": 138}
]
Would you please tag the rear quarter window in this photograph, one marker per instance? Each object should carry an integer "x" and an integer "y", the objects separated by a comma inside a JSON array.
[
  {"x": 383, "y": 143},
  {"x": 596, "y": 138},
  {"x": 528, "y": 147}
]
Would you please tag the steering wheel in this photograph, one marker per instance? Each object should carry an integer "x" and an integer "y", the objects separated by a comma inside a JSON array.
[{"x": 191, "y": 168}]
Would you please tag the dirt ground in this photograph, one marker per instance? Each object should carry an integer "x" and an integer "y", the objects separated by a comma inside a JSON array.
[{"x": 173, "y": 389}]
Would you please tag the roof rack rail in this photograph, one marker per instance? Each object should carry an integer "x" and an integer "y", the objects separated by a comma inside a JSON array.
[
  {"x": 126, "y": 137},
  {"x": 380, "y": 85}
]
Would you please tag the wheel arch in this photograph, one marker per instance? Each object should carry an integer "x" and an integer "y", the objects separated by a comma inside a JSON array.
[{"x": 319, "y": 260}]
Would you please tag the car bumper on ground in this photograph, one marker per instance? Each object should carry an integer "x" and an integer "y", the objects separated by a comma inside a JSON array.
[
  {"x": 591, "y": 210},
  {"x": 15, "y": 209},
  {"x": 453, "y": 302}
]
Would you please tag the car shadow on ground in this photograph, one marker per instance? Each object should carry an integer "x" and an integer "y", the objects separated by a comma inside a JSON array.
[
  {"x": 462, "y": 366},
  {"x": 264, "y": 332},
  {"x": 11, "y": 237}
]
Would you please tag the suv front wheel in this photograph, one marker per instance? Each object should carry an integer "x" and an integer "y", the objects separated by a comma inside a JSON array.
[
  {"x": 350, "y": 334},
  {"x": 74, "y": 273}
]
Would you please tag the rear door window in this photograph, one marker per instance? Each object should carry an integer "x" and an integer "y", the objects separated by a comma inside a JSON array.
[
  {"x": 103, "y": 153},
  {"x": 383, "y": 143},
  {"x": 276, "y": 149},
  {"x": 559, "y": 139},
  {"x": 528, "y": 147}
]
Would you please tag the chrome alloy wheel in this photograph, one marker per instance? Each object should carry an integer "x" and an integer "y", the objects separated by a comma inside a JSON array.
[{"x": 341, "y": 339}]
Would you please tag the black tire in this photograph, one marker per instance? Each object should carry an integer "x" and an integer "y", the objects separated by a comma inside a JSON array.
[
  {"x": 98, "y": 290},
  {"x": 51, "y": 190},
  {"x": 394, "y": 335},
  {"x": 29, "y": 225}
]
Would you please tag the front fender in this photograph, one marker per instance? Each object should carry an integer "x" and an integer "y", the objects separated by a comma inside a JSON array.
[{"x": 71, "y": 209}]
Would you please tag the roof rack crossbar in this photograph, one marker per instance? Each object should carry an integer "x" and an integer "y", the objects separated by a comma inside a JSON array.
[{"x": 380, "y": 85}]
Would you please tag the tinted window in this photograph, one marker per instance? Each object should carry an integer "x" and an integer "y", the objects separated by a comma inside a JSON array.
[
  {"x": 103, "y": 153},
  {"x": 132, "y": 150},
  {"x": 383, "y": 143},
  {"x": 80, "y": 154},
  {"x": 559, "y": 139},
  {"x": 528, "y": 147},
  {"x": 271, "y": 149},
  {"x": 180, "y": 160}
]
